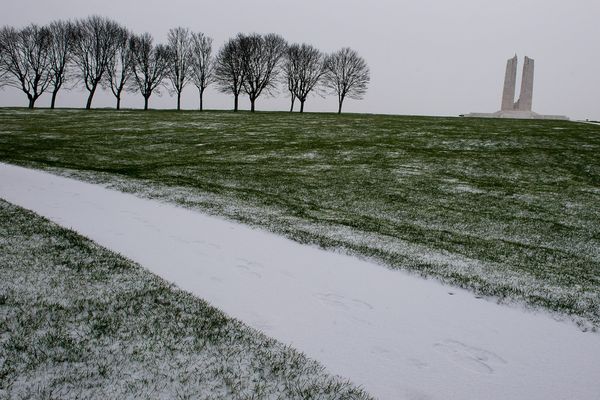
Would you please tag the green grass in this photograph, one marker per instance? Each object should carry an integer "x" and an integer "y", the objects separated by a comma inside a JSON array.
[
  {"x": 78, "y": 321},
  {"x": 505, "y": 208}
]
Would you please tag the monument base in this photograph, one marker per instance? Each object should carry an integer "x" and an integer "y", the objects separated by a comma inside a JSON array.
[{"x": 516, "y": 115}]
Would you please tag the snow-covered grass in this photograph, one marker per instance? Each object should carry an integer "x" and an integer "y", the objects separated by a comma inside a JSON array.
[
  {"x": 505, "y": 208},
  {"x": 394, "y": 333},
  {"x": 78, "y": 321}
]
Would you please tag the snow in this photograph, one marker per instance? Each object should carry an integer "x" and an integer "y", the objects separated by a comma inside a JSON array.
[{"x": 396, "y": 334}]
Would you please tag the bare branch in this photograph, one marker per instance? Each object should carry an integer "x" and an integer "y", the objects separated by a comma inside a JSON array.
[
  {"x": 63, "y": 36},
  {"x": 120, "y": 67},
  {"x": 180, "y": 48},
  {"x": 26, "y": 59},
  {"x": 229, "y": 68},
  {"x": 94, "y": 48},
  {"x": 150, "y": 65},
  {"x": 261, "y": 58},
  {"x": 201, "y": 63},
  {"x": 303, "y": 68},
  {"x": 3, "y": 71},
  {"x": 346, "y": 75}
]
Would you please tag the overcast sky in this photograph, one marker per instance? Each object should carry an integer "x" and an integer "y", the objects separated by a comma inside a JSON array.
[{"x": 429, "y": 57}]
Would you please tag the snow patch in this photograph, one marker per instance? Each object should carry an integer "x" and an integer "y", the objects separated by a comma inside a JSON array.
[{"x": 392, "y": 332}]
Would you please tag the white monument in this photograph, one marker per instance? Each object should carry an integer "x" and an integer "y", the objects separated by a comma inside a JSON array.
[{"x": 522, "y": 107}]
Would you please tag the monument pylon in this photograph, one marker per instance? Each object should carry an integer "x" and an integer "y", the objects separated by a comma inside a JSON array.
[
  {"x": 526, "y": 94},
  {"x": 510, "y": 81},
  {"x": 522, "y": 108}
]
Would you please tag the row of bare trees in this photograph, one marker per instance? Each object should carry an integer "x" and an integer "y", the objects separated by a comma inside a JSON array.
[{"x": 98, "y": 52}]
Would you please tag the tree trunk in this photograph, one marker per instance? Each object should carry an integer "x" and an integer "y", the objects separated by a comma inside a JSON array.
[
  {"x": 53, "y": 101},
  {"x": 146, "y": 102},
  {"x": 302, "y": 105},
  {"x": 235, "y": 102},
  {"x": 292, "y": 106},
  {"x": 88, "y": 105},
  {"x": 31, "y": 101},
  {"x": 118, "y": 102},
  {"x": 341, "y": 100},
  {"x": 201, "y": 91},
  {"x": 252, "y": 104},
  {"x": 178, "y": 101}
]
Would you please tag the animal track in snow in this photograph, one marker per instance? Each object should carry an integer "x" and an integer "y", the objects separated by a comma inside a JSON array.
[
  {"x": 343, "y": 302},
  {"x": 417, "y": 363},
  {"x": 249, "y": 267},
  {"x": 468, "y": 357}
]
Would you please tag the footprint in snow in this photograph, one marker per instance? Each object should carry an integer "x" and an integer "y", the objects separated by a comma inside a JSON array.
[
  {"x": 251, "y": 264},
  {"x": 417, "y": 363},
  {"x": 249, "y": 267},
  {"x": 469, "y": 357},
  {"x": 343, "y": 302},
  {"x": 127, "y": 212},
  {"x": 213, "y": 245}
]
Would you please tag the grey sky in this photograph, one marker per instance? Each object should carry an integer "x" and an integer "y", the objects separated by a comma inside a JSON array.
[{"x": 430, "y": 57}]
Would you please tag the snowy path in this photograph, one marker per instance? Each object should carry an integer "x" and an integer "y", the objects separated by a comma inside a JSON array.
[{"x": 397, "y": 335}]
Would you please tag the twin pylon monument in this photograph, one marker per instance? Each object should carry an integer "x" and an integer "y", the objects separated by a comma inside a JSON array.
[
  {"x": 523, "y": 105},
  {"x": 521, "y": 108}
]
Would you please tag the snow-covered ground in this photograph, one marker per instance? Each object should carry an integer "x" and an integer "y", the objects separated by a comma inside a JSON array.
[{"x": 398, "y": 335}]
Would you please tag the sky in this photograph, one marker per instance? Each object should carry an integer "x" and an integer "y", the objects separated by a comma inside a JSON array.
[{"x": 426, "y": 57}]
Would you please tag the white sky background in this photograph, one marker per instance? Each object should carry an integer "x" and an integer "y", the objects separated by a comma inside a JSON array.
[{"x": 430, "y": 57}]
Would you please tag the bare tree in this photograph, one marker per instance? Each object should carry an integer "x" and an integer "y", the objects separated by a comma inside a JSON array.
[
  {"x": 261, "y": 57},
  {"x": 93, "y": 49},
  {"x": 229, "y": 68},
  {"x": 120, "y": 67},
  {"x": 26, "y": 59},
  {"x": 346, "y": 75},
  {"x": 180, "y": 46},
  {"x": 303, "y": 69},
  {"x": 61, "y": 52},
  {"x": 150, "y": 64},
  {"x": 201, "y": 63}
]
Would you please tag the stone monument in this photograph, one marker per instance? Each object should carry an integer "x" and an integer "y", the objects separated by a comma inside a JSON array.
[
  {"x": 510, "y": 81},
  {"x": 522, "y": 107}
]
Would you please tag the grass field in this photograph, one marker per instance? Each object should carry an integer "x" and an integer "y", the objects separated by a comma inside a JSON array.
[
  {"x": 505, "y": 208},
  {"x": 78, "y": 321}
]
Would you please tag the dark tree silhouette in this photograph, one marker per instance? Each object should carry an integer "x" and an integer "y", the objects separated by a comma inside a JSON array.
[
  {"x": 94, "y": 47},
  {"x": 62, "y": 34},
  {"x": 291, "y": 77},
  {"x": 303, "y": 68},
  {"x": 229, "y": 68},
  {"x": 98, "y": 51},
  {"x": 179, "y": 74},
  {"x": 261, "y": 58},
  {"x": 150, "y": 64},
  {"x": 120, "y": 66},
  {"x": 346, "y": 75},
  {"x": 26, "y": 59},
  {"x": 201, "y": 63},
  {"x": 2, "y": 67},
  {"x": 292, "y": 83}
]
